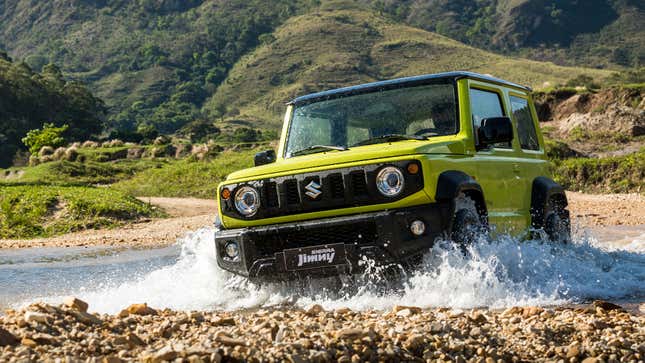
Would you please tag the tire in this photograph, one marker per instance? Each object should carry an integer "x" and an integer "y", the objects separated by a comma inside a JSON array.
[
  {"x": 557, "y": 222},
  {"x": 467, "y": 225}
]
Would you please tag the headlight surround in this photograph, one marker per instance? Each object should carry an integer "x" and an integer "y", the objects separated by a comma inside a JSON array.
[
  {"x": 247, "y": 201},
  {"x": 390, "y": 181}
]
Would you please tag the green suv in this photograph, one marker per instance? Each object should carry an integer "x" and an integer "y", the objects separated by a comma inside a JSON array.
[{"x": 382, "y": 171}]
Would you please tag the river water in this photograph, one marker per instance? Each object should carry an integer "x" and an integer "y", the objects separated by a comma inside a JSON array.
[{"x": 606, "y": 263}]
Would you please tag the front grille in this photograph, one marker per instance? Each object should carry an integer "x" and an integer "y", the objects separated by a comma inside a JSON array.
[
  {"x": 322, "y": 190},
  {"x": 336, "y": 186},
  {"x": 291, "y": 191},
  {"x": 355, "y": 233},
  {"x": 359, "y": 184},
  {"x": 271, "y": 194}
]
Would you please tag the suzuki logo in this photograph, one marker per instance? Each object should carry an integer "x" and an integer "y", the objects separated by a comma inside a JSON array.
[{"x": 313, "y": 190}]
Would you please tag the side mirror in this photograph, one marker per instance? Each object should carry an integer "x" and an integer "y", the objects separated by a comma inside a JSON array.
[
  {"x": 494, "y": 130},
  {"x": 264, "y": 157}
]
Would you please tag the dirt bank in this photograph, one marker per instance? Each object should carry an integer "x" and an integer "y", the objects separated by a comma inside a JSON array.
[
  {"x": 189, "y": 214},
  {"x": 598, "y": 333}
]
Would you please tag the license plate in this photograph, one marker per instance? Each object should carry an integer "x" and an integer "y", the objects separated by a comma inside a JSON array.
[{"x": 316, "y": 256}]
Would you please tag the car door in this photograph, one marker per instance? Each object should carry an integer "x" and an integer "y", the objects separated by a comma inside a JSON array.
[
  {"x": 533, "y": 162},
  {"x": 499, "y": 171}
]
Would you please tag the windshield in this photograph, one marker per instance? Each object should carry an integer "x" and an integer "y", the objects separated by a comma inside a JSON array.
[{"x": 381, "y": 116}]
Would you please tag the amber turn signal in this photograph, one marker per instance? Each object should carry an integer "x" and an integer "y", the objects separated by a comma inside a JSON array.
[
  {"x": 226, "y": 193},
  {"x": 413, "y": 168}
]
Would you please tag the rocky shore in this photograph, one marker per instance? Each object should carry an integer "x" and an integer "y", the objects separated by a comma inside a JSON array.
[{"x": 602, "y": 332}]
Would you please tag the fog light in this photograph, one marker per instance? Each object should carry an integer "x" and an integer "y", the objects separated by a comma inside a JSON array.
[
  {"x": 232, "y": 250},
  {"x": 417, "y": 228}
]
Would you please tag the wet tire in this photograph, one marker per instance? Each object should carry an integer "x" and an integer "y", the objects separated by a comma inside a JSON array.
[
  {"x": 557, "y": 222},
  {"x": 467, "y": 225}
]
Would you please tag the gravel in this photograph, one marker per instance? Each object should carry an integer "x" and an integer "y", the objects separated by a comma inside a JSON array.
[{"x": 601, "y": 332}]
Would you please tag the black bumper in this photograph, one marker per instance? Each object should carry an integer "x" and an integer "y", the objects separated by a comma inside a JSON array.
[{"x": 382, "y": 236}]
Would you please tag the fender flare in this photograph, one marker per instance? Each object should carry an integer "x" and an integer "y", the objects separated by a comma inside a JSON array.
[
  {"x": 452, "y": 182},
  {"x": 542, "y": 190}
]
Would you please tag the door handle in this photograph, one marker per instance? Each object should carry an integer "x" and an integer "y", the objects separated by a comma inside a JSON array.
[{"x": 516, "y": 168}]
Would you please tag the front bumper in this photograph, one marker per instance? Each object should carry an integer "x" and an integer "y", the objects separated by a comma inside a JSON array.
[{"x": 382, "y": 236}]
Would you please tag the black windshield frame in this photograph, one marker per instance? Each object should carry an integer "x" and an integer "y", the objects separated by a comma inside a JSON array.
[{"x": 379, "y": 88}]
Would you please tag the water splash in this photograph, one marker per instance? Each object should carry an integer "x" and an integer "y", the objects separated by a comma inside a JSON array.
[{"x": 496, "y": 274}]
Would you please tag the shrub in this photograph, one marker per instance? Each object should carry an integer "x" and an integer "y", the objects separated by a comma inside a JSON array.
[{"x": 49, "y": 135}]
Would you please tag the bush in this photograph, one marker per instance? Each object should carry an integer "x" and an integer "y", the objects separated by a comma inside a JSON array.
[{"x": 47, "y": 136}]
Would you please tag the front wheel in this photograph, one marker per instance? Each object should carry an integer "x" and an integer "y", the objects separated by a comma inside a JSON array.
[{"x": 467, "y": 224}]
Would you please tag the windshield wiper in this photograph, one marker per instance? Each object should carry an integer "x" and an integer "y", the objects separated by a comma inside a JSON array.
[
  {"x": 317, "y": 149},
  {"x": 389, "y": 137}
]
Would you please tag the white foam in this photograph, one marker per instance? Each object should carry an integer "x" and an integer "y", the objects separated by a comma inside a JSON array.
[{"x": 496, "y": 274}]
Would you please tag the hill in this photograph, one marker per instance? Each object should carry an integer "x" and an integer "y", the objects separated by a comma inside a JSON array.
[
  {"x": 594, "y": 33},
  {"x": 331, "y": 48},
  {"x": 157, "y": 63}
]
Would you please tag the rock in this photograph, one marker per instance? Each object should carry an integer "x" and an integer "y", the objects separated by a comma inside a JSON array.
[
  {"x": 44, "y": 339},
  {"x": 315, "y": 310},
  {"x": 455, "y": 313},
  {"x": 641, "y": 308},
  {"x": 511, "y": 311},
  {"x": 436, "y": 328},
  {"x": 404, "y": 313},
  {"x": 573, "y": 350},
  {"x": 413, "y": 309},
  {"x": 529, "y": 311},
  {"x": 138, "y": 309},
  {"x": 7, "y": 338},
  {"x": 415, "y": 344},
  {"x": 166, "y": 353},
  {"x": 231, "y": 342},
  {"x": 590, "y": 360},
  {"x": 134, "y": 340},
  {"x": 36, "y": 317},
  {"x": 219, "y": 321},
  {"x": 478, "y": 317},
  {"x": 85, "y": 318},
  {"x": 76, "y": 304},
  {"x": 350, "y": 333},
  {"x": 607, "y": 305},
  {"x": 29, "y": 343}
]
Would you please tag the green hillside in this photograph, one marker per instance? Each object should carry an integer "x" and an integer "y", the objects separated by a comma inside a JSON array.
[
  {"x": 333, "y": 48},
  {"x": 158, "y": 63}
]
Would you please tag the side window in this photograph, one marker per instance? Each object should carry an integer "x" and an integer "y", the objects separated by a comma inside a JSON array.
[
  {"x": 525, "y": 126},
  {"x": 485, "y": 104}
]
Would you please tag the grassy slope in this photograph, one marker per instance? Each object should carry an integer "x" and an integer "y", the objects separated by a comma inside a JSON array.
[
  {"x": 329, "y": 49},
  {"x": 31, "y": 211},
  {"x": 185, "y": 178}
]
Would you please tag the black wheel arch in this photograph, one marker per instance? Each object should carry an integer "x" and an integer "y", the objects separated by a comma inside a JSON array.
[
  {"x": 544, "y": 189},
  {"x": 453, "y": 182}
]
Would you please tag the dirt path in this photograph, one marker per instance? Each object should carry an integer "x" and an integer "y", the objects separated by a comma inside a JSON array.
[{"x": 189, "y": 214}]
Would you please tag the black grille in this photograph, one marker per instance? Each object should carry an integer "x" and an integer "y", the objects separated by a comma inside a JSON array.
[
  {"x": 359, "y": 185},
  {"x": 339, "y": 188},
  {"x": 271, "y": 194},
  {"x": 272, "y": 242},
  {"x": 291, "y": 190},
  {"x": 336, "y": 186}
]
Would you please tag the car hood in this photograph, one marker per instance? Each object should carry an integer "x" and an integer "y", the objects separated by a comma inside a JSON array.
[{"x": 304, "y": 163}]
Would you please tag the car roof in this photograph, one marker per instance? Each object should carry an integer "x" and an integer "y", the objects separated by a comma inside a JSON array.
[{"x": 366, "y": 87}]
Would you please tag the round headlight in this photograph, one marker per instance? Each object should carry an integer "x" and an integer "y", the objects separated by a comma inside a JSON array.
[
  {"x": 389, "y": 181},
  {"x": 247, "y": 201}
]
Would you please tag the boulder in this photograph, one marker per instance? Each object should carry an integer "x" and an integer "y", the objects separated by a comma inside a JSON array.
[
  {"x": 7, "y": 338},
  {"x": 76, "y": 304}
]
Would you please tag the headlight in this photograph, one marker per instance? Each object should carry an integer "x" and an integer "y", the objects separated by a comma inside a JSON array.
[
  {"x": 247, "y": 201},
  {"x": 389, "y": 181}
]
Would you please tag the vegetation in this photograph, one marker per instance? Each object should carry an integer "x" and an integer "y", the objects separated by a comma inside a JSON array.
[
  {"x": 186, "y": 178},
  {"x": 49, "y": 136},
  {"x": 29, "y": 99},
  {"x": 603, "y": 175},
  {"x": 32, "y": 211}
]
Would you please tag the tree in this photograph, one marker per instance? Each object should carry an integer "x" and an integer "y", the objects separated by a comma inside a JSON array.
[{"x": 48, "y": 136}]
